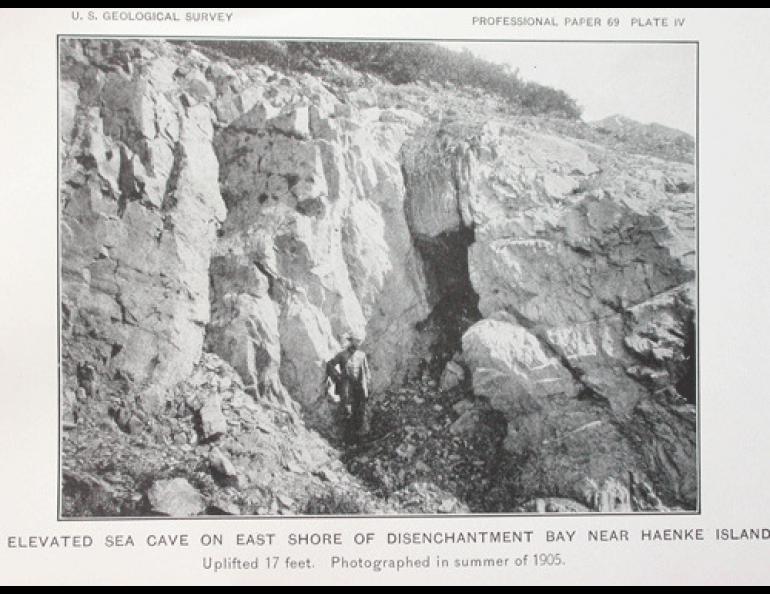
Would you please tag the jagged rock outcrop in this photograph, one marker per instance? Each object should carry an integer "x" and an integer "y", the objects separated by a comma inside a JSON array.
[
  {"x": 224, "y": 224},
  {"x": 316, "y": 221},
  {"x": 140, "y": 204},
  {"x": 313, "y": 242},
  {"x": 652, "y": 139},
  {"x": 583, "y": 261}
]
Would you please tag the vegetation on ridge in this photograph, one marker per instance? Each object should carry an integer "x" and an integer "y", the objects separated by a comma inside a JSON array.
[{"x": 403, "y": 63}]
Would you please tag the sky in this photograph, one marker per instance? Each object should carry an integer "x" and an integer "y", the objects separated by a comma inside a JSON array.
[{"x": 646, "y": 82}]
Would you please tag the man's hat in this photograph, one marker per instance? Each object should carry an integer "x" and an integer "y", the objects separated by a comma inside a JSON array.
[{"x": 354, "y": 335}]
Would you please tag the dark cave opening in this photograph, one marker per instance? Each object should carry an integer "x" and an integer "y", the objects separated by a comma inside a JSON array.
[{"x": 454, "y": 301}]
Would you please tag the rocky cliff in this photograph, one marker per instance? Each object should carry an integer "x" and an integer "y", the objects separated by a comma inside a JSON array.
[{"x": 223, "y": 224}]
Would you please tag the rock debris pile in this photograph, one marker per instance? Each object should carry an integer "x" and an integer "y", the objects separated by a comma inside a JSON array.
[{"x": 526, "y": 287}]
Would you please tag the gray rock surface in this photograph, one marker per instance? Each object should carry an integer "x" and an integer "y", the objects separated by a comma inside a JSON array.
[
  {"x": 223, "y": 225},
  {"x": 213, "y": 422},
  {"x": 140, "y": 204},
  {"x": 583, "y": 261},
  {"x": 176, "y": 498},
  {"x": 322, "y": 217},
  {"x": 221, "y": 464},
  {"x": 452, "y": 376}
]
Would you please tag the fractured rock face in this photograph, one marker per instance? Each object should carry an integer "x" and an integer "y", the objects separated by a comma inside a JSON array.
[
  {"x": 262, "y": 216},
  {"x": 431, "y": 180},
  {"x": 583, "y": 261},
  {"x": 322, "y": 219},
  {"x": 316, "y": 199},
  {"x": 295, "y": 122},
  {"x": 140, "y": 205},
  {"x": 244, "y": 325}
]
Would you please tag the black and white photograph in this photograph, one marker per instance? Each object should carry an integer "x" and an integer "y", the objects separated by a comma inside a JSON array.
[{"x": 351, "y": 277}]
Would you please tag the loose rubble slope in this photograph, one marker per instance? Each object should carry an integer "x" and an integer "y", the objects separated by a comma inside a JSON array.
[{"x": 525, "y": 284}]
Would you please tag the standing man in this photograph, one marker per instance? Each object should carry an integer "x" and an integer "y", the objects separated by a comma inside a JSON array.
[{"x": 350, "y": 371}]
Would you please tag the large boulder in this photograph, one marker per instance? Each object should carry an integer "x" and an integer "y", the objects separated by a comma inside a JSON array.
[
  {"x": 512, "y": 368},
  {"x": 176, "y": 498}
]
